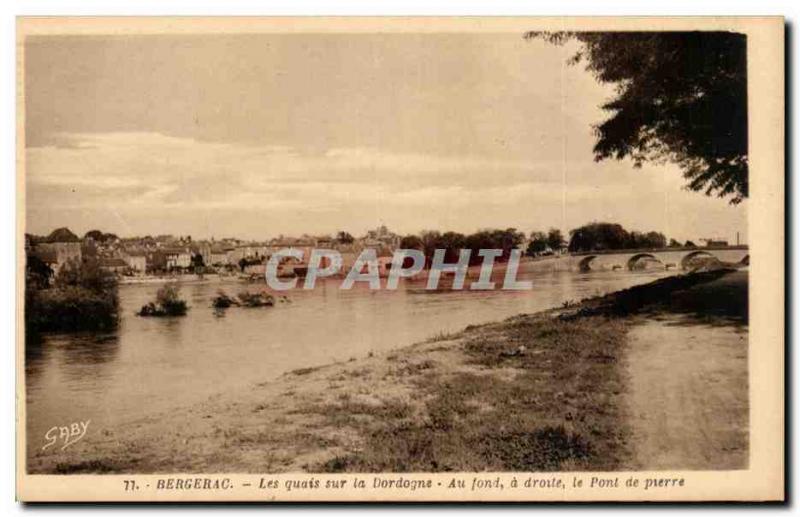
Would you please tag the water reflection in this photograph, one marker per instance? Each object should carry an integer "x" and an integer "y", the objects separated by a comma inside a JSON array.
[{"x": 89, "y": 350}]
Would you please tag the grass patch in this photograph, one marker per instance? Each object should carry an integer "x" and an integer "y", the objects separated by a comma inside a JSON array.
[
  {"x": 102, "y": 466},
  {"x": 654, "y": 295},
  {"x": 414, "y": 368},
  {"x": 557, "y": 410}
]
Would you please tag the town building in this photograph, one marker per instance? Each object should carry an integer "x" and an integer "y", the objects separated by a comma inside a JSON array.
[
  {"x": 117, "y": 266},
  {"x": 137, "y": 261}
]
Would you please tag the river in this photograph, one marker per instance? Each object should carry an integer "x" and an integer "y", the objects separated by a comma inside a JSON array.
[{"x": 149, "y": 365}]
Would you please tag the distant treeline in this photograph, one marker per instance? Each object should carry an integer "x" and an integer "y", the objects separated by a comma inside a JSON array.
[
  {"x": 594, "y": 236},
  {"x": 429, "y": 241},
  {"x": 610, "y": 236}
]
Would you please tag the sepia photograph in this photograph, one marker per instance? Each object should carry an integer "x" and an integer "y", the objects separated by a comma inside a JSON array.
[{"x": 400, "y": 259}]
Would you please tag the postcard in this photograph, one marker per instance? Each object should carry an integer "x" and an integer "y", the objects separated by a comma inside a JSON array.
[{"x": 400, "y": 259}]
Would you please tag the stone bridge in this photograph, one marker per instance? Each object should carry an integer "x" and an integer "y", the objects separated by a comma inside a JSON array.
[{"x": 684, "y": 258}]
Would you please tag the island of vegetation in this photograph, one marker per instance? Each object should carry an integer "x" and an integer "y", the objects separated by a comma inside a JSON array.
[
  {"x": 167, "y": 303},
  {"x": 244, "y": 299}
]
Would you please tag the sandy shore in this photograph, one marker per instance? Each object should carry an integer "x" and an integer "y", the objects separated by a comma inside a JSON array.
[{"x": 650, "y": 377}]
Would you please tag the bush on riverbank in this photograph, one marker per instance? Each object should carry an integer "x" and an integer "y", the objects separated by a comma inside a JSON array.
[
  {"x": 168, "y": 303},
  {"x": 81, "y": 297},
  {"x": 71, "y": 308}
]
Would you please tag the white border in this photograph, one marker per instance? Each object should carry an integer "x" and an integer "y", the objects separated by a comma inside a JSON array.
[{"x": 11, "y": 9}]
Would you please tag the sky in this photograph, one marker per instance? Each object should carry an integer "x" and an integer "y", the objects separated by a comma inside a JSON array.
[{"x": 256, "y": 136}]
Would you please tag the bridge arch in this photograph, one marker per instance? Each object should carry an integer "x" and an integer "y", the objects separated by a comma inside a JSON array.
[
  {"x": 636, "y": 258},
  {"x": 694, "y": 254},
  {"x": 586, "y": 263},
  {"x": 745, "y": 260}
]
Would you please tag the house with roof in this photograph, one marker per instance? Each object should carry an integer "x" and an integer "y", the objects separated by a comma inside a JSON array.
[
  {"x": 58, "y": 248},
  {"x": 218, "y": 255},
  {"x": 114, "y": 265},
  {"x": 136, "y": 260},
  {"x": 176, "y": 257}
]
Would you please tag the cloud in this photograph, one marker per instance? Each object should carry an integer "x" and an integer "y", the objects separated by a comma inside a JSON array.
[
  {"x": 146, "y": 182},
  {"x": 154, "y": 168}
]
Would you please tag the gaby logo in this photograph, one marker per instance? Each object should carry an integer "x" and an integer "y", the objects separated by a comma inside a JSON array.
[
  {"x": 404, "y": 263},
  {"x": 65, "y": 435}
]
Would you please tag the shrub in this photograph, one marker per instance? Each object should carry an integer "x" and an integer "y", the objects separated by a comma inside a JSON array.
[
  {"x": 70, "y": 308},
  {"x": 256, "y": 299},
  {"x": 168, "y": 303},
  {"x": 223, "y": 301},
  {"x": 86, "y": 273},
  {"x": 82, "y": 297}
]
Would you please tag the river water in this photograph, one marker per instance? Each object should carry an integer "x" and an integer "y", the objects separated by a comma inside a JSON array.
[{"x": 149, "y": 365}]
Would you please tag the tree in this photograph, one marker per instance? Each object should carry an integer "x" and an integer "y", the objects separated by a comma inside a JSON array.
[
  {"x": 674, "y": 244},
  {"x": 430, "y": 241},
  {"x": 507, "y": 240},
  {"x": 537, "y": 244},
  {"x": 198, "y": 264},
  {"x": 98, "y": 236},
  {"x": 87, "y": 274},
  {"x": 411, "y": 242},
  {"x": 168, "y": 302},
  {"x": 452, "y": 243},
  {"x": 197, "y": 260},
  {"x": 169, "y": 298},
  {"x": 680, "y": 97},
  {"x": 95, "y": 235},
  {"x": 690, "y": 244},
  {"x": 62, "y": 235},
  {"x": 344, "y": 238},
  {"x": 655, "y": 240},
  {"x": 555, "y": 239},
  {"x": 37, "y": 273},
  {"x": 598, "y": 236}
]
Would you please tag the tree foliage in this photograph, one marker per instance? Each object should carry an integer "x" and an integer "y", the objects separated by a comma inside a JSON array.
[
  {"x": 679, "y": 97},
  {"x": 197, "y": 260},
  {"x": 429, "y": 241},
  {"x": 82, "y": 297},
  {"x": 86, "y": 273},
  {"x": 98, "y": 236},
  {"x": 344, "y": 237},
  {"x": 555, "y": 239},
  {"x": 168, "y": 302},
  {"x": 538, "y": 244},
  {"x": 37, "y": 273},
  {"x": 62, "y": 235},
  {"x": 609, "y": 236}
]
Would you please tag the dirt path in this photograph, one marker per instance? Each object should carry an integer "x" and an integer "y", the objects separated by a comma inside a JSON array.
[{"x": 688, "y": 397}]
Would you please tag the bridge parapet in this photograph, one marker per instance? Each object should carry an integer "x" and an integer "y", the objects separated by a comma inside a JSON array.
[
  {"x": 633, "y": 251},
  {"x": 668, "y": 257}
]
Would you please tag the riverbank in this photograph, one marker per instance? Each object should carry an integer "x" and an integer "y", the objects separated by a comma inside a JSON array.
[{"x": 546, "y": 391}]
